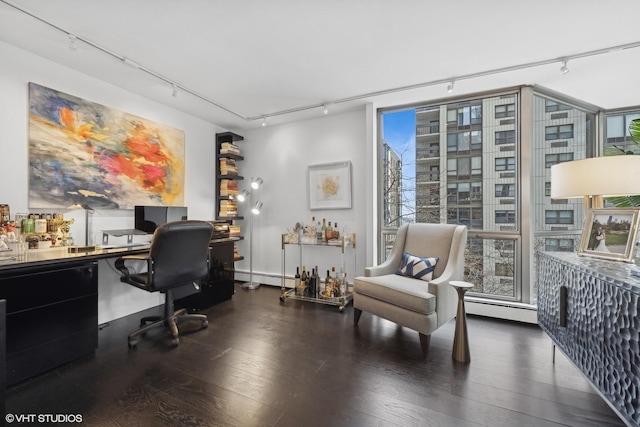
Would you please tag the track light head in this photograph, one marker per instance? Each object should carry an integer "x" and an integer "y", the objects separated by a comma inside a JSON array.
[
  {"x": 450, "y": 87},
  {"x": 174, "y": 92},
  {"x": 72, "y": 42},
  {"x": 325, "y": 110},
  {"x": 264, "y": 121},
  {"x": 131, "y": 63},
  {"x": 564, "y": 69}
]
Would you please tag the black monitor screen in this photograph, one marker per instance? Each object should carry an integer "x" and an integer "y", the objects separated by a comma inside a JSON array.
[{"x": 148, "y": 218}]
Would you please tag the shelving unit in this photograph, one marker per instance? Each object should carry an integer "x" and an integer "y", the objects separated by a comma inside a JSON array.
[
  {"x": 343, "y": 244},
  {"x": 227, "y": 177}
]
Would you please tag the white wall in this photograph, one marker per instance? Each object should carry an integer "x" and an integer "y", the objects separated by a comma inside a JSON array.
[
  {"x": 280, "y": 155},
  {"x": 20, "y": 67}
]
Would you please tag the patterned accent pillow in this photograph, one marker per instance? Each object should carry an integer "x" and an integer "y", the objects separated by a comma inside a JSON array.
[{"x": 417, "y": 267}]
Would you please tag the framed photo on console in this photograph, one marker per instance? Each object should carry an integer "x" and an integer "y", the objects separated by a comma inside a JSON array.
[{"x": 610, "y": 234}]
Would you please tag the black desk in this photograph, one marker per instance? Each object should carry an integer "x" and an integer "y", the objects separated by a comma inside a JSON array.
[{"x": 52, "y": 304}]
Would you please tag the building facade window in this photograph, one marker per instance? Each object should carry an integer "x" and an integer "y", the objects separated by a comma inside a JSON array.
[
  {"x": 556, "y": 244},
  {"x": 505, "y": 163},
  {"x": 505, "y": 190},
  {"x": 553, "y": 159},
  {"x": 505, "y": 217},
  {"x": 505, "y": 137},
  {"x": 558, "y": 217},
  {"x": 506, "y": 110},
  {"x": 552, "y": 106},
  {"x": 558, "y": 132}
]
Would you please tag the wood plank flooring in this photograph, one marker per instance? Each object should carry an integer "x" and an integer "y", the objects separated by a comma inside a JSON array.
[{"x": 266, "y": 363}]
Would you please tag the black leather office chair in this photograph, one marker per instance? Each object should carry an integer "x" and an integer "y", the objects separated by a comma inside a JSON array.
[{"x": 178, "y": 257}]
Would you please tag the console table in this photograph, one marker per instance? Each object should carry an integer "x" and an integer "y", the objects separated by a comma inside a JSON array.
[{"x": 591, "y": 310}]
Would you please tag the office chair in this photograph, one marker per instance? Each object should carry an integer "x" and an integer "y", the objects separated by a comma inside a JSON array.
[{"x": 178, "y": 258}]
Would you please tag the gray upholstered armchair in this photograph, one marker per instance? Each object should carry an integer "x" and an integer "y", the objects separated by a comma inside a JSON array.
[{"x": 419, "y": 304}]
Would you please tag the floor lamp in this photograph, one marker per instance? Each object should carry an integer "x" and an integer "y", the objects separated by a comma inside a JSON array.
[{"x": 255, "y": 210}]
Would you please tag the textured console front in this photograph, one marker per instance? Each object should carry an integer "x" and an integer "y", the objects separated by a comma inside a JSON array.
[{"x": 602, "y": 335}]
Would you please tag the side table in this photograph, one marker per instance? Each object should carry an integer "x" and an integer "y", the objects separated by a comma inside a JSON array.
[{"x": 460, "y": 338}]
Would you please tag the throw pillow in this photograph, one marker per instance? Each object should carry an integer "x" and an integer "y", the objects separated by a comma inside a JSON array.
[{"x": 417, "y": 267}]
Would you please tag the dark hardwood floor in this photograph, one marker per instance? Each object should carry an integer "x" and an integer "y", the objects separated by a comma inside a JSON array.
[{"x": 266, "y": 363}]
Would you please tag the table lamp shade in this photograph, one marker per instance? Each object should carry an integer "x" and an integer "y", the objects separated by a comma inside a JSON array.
[{"x": 599, "y": 176}]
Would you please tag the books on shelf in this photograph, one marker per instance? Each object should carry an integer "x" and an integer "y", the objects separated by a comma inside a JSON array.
[
  {"x": 229, "y": 148},
  {"x": 228, "y": 167},
  {"x": 228, "y": 208},
  {"x": 228, "y": 187},
  {"x": 234, "y": 230}
]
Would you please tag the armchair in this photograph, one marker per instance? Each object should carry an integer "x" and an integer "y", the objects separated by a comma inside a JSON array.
[
  {"x": 421, "y": 305},
  {"x": 178, "y": 258}
]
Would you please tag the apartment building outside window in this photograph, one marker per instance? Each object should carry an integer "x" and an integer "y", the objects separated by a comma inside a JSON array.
[{"x": 474, "y": 178}]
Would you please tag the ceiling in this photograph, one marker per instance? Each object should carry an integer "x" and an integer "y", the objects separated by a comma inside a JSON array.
[{"x": 258, "y": 58}]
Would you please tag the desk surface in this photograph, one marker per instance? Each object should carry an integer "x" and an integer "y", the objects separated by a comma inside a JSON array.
[{"x": 46, "y": 256}]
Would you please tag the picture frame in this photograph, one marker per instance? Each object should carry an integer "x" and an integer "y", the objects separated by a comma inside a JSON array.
[
  {"x": 610, "y": 234},
  {"x": 329, "y": 186}
]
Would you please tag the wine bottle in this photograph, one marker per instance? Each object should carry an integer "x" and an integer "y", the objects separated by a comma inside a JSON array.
[
  {"x": 311, "y": 283},
  {"x": 304, "y": 279},
  {"x": 324, "y": 230},
  {"x": 297, "y": 279},
  {"x": 343, "y": 285}
]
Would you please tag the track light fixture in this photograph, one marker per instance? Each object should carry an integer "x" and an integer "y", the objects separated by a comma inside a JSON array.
[
  {"x": 325, "y": 110},
  {"x": 72, "y": 42},
  {"x": 174, "y": 93},
  {"x": 564, "y": 69}
]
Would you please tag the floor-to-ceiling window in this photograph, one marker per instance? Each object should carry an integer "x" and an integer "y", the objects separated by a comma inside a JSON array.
[{"x": 468, "y": 162}]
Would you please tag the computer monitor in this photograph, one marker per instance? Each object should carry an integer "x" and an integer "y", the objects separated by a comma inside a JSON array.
[{"x": 148, "y": 218}]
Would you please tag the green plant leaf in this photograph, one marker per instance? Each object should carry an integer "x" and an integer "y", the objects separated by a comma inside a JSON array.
[
  {"x": 624, "y": 201},
  {"x": 634, "y": 131}
]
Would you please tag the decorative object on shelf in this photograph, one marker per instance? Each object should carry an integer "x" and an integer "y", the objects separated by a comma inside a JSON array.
[
  {"x": 330, "y": 186},
  {"x": 113, "y": 158},
  {"x": 247, "y": 195},
  {"x": 596, "y": 178},
  {"x": 610, "y": 234},
  {"x": 87, "y": 209}
]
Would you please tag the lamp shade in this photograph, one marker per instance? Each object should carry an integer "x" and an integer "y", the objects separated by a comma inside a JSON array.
[{"x": 599, "y": 176}]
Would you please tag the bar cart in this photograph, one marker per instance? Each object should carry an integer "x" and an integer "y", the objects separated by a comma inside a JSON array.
[{"x": 345, "y": 244}]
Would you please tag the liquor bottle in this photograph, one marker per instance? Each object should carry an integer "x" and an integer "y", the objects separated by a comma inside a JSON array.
[
  {"x": 343, "y": 285},
  {"x": 324, "y": 230},
  {"x": 336, "y": 232},
  {"x": 297, "y": 279},
  {"x": 327, "y": 285},
  {"x": 329, "y": 231},
  {"x": 304, "y": 278}
]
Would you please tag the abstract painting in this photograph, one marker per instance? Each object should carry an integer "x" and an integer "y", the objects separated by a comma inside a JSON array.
[
  {"x": 330, "y": 186},
  {"x": 83, "y": 153}
]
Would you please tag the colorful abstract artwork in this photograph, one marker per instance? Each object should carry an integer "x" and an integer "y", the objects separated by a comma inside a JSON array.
[{"x": 83, "y": 153}]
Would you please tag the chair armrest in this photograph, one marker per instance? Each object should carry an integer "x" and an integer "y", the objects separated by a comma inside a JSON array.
[
  {"x": 120, "y": 264},
  {"x": 387, "y": 267}
]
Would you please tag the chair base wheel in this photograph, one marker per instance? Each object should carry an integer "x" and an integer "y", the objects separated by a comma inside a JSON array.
[
  {"x": 205, "y": 324},
  {"x": 174, "y": 342},
  {"x": 133, "y": 343}
]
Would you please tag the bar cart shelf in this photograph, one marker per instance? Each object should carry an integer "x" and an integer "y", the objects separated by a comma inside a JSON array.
[{"x": 345, "y": 244}]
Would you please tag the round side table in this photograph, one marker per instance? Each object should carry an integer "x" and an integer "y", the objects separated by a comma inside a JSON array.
[{"x": 460, "y": 338}]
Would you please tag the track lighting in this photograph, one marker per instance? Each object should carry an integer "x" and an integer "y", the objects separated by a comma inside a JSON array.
[
  {"x": 72, "y": 42},
  {"x": 131, "y": 63},
  {"x": 450, "y": 87},
  {"x": 256, "y": 183},
  {"x": 264, "y": 122},
  {"x": 256, "y": 208},
  {"x": 326, "y": 109},
  {"x": 175, "y": 90},
  {"x": 564, "y": 69}
]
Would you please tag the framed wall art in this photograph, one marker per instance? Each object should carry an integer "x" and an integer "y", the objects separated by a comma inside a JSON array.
[
  {"x": 610, "y": 234},
  {"x": 84, "y": 153},
  {"x": 330, "y": 186}
]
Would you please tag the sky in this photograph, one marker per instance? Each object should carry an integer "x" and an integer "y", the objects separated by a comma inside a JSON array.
[{"x": 399, "y": 132}]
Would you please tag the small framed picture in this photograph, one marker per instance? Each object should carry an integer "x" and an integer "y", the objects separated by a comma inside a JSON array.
[
  {"x": 610, "y": 234},
  {"x": 330, "y": 186}
]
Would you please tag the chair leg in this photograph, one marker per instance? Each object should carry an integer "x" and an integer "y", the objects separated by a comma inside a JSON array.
[
  {"x": 424, "y": 343},
  {"x": 356, "y": 315}
]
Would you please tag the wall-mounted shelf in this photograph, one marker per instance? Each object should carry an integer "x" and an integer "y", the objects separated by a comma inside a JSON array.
[{"x": 227, "y": 176}]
